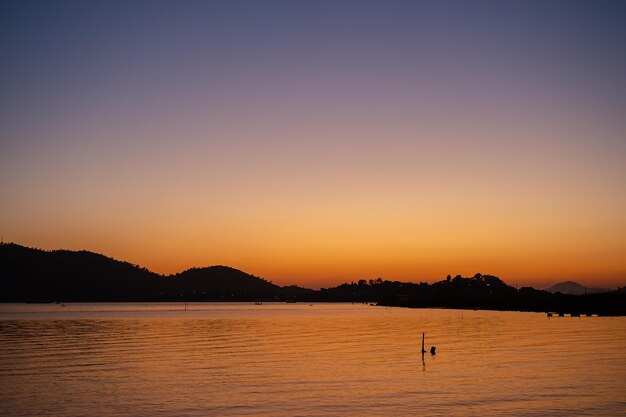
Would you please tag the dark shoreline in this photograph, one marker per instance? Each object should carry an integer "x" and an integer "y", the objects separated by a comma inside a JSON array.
[
  {"x": 523, "y": 300},
  {"x": 556, "y": 312},
  {"x": 549, "y": 313}
]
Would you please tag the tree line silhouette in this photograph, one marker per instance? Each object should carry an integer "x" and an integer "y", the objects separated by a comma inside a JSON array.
[{"x": 477, "y": 292}]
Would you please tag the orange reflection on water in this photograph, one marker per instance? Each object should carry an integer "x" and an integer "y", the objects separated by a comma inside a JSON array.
[{"x": 300, "y": 359}]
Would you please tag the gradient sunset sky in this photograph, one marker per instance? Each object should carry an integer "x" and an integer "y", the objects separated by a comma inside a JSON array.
[{"x": 319, "y": 142}]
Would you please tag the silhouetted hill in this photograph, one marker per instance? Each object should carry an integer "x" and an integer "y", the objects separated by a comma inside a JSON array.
[
  {"x": 36, "y": 275},
  {"x": 218, "y": 282},
  {"x": 43, "y": 276},
  {"x": 477, "y": 292},
  {"x": 221, "y": 278},
  {"x": 571, "y": 287}
]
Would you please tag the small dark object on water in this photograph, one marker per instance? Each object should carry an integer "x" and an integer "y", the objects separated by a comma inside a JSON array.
[
  {"x": 432, "y": 350},
  {"x": 423, "y": 350}
]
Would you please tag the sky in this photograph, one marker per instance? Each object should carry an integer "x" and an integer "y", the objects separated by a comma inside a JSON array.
[{"x": 321, "y": 142}]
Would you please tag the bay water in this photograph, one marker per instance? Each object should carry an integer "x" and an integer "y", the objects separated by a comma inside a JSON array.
[{"x": 279, "y": 359}]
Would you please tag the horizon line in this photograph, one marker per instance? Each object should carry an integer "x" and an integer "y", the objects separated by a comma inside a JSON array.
[{"x": 2, "y": 242}]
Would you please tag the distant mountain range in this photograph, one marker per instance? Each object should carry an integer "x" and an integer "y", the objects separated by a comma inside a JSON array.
[
  {"x": 34, "y": 275},
  {"x": 571, "y": 287}
]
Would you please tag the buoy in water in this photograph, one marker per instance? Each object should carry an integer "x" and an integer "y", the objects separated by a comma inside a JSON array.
[{"x": 432, "y": 350}]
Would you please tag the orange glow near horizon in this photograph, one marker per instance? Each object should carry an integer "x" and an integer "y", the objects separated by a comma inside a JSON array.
[
  {"x": 352, "y": 237},
  {"x": 410, "y": 213},
  {"x": 320, "y": 144}
]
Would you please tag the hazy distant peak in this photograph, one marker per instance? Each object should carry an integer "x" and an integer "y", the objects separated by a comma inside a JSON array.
[{"x": 572, "y": 287}]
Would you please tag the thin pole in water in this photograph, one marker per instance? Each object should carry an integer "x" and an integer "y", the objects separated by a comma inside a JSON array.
[{"x": 423, "y": 350}]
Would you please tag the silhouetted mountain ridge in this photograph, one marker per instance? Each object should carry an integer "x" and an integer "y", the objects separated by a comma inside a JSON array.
[{"x": 36, "y": 275}]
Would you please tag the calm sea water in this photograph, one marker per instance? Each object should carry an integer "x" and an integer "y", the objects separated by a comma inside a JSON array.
[{"x": 305, "y": 360}]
